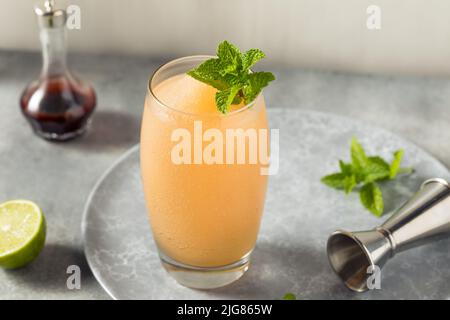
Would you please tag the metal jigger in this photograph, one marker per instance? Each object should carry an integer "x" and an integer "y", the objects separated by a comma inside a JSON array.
[{"x": 422, "y": 219}]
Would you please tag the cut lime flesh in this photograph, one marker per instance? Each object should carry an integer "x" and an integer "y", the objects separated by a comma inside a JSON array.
[{"x": 22, "y": 233}]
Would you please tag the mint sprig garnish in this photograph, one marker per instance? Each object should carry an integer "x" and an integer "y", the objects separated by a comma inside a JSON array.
[
  {"x": 230, "y": 74},
  {"x": 364, "y": 172}
]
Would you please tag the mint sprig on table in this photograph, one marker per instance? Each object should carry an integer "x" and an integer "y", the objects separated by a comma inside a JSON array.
[
  {"x": 230, "y": 74},
  {"x": 364, "y": 171},
  {"x": 289, "y": 296}
]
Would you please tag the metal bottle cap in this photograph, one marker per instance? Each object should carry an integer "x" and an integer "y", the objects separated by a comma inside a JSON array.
[{"x": 49, "y": 17}]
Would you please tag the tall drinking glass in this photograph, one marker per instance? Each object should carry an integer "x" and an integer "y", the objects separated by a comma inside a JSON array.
[{"x": 203, "y": 188}]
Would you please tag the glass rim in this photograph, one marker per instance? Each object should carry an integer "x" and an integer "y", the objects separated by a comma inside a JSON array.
[{"x": 171, "y": 108}]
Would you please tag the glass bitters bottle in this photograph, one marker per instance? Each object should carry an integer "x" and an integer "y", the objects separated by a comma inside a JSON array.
[{"x": 58, "y": 105}]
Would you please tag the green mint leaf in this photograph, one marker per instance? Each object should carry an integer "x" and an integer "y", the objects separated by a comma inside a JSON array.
[
  {"x": 230, "y": 72},
  {"x": 349, "y": 183},
  {"x": 372, "y": 198},
  {"x": 345, "y": 179},
  {"x": 289, "y": 296},
  {"x": 251, "y": 57},
  {"x": 376, "y": 169},
  {"x": 225, "y": 98},
  {"x": 209, "y": 72},
  {"x": 346, "y": 168},
  {"x": 230, "y": 58},
  {"x": 395, "y": 164},
  {"x": 335, "y": 180},
  {"x": 340, "y": 181},
  {"x": 237, "y": 99},
  {"x": 359, "y": 158},
  {"x": 235, "y": 80},
  {"x": 377, "y": 161},
  {"x": 255, "y": 83}
]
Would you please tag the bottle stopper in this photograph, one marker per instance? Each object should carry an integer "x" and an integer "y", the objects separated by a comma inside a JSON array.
[{"x": 49, "y": 16}]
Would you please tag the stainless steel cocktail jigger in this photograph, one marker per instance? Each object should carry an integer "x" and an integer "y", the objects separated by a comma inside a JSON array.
[{"x": 422, "y": 219}]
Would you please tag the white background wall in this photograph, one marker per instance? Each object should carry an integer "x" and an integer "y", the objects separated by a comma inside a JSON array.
[{"x": 414, "y": 38}]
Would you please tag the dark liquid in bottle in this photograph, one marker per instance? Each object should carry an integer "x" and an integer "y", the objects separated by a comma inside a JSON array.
[{"x": 58, "y": 108}]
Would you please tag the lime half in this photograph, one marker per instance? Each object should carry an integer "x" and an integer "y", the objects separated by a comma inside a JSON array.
[{"x": 22, "y": 233}]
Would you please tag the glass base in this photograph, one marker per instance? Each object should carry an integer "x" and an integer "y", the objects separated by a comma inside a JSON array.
[
  {"x": 206, "y": 278},
  {"x": 61, "y": 137}
]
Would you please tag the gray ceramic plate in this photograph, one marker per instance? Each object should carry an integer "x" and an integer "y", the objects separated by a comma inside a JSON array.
[{"x": 300, "y": 214}]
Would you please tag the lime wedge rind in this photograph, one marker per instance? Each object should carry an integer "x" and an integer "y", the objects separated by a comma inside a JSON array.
[{"x": 20, "y": 256}]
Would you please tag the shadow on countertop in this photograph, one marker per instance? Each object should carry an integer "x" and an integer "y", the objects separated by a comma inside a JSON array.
[
  {"x": 109, "y": 129},
  {"x": 272, "y": 270},
  {"x": 49, "y": 271}
]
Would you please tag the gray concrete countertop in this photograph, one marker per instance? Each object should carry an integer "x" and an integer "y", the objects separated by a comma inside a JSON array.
[{"x": 60, "y": 176}]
